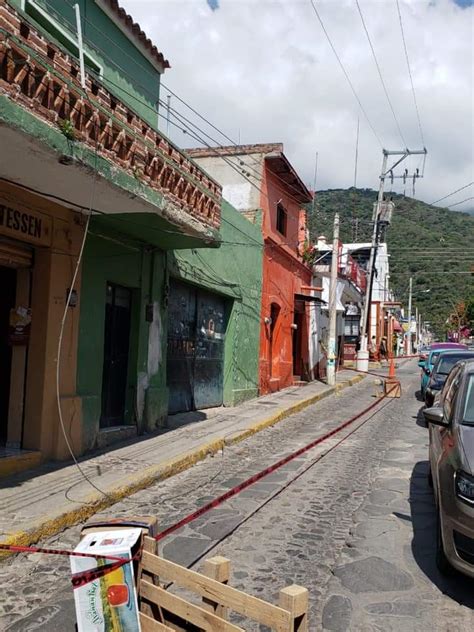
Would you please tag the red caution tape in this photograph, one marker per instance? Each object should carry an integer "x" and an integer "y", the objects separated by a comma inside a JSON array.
[
  {"x": 83, "y": 577},
  {"x": 256, "y": 477}
]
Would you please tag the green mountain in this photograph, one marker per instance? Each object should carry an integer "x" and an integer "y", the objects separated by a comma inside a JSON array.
[{"x": 431, "y": 244}]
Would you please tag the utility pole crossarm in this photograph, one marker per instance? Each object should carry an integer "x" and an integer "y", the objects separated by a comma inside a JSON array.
[
  {"x": 408, "y": 152},
  {"x": 404, "y": 153}
]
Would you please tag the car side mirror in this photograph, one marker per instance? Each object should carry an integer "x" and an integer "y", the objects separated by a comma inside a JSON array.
[
  {"x": 428, "y": 371},
  {"x": 421, "y": 363},
  {"x": 435, "y": 415}
]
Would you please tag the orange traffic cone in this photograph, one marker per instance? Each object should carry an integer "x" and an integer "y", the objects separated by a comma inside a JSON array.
[
  {"x": 391, "y": 369},
  {"x": 392, "y": 385}
]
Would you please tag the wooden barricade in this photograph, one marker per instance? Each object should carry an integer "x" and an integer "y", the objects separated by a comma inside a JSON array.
[{"x": 162, "y": 610}]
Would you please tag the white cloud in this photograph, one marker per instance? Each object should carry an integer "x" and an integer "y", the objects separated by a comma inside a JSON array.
[{"x": 264, "y": 71}]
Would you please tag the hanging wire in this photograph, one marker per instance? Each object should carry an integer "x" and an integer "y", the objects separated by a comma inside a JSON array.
[
  {"x": 380, "y": 75},
  {"x": 409, "y": 72},
  {"x": 345, "y": 73}
]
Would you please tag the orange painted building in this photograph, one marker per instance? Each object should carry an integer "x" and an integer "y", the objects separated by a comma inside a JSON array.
[{"x": 285, "y": 313}]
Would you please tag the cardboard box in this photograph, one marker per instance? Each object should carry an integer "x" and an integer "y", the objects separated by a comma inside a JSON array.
[
  {"x": 148, "y": 524},
  {"x": 107, "y": 604}
]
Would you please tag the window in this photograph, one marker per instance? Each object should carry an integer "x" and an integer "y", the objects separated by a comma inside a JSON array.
[
  {"x": 451, "y": 394},
  {"x": 60, "y": 33},
  {"x": 281, "y": 219},
  {"x": 468, "y": 415},
  {"x": 351, "y": 325}
]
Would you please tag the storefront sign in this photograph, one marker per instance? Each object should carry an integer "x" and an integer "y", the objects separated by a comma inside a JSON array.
[
  {"x": 30, "y": 226},
  {"x": 19, "y": 326}
]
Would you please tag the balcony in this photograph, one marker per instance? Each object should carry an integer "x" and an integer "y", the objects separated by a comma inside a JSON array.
[
  {"x": 56, "y": 135},
  {"x": 354, "y": 273}
]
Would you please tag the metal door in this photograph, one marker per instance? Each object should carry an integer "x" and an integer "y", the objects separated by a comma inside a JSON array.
[
  {"x": 116, "y": 349},
  {"x": 181, "y": 345},
  {"x": 209, "y": 360},
  {"x": 195, "y": 362}
]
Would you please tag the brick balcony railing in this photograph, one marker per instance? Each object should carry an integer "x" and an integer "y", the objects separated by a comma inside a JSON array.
[{"x": 37, "y": 74}]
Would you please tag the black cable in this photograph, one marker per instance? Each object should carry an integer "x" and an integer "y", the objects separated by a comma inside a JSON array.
[
  {"x": 345, "y": 72},
  {"x": 409, "y": 72},
  {"x": 380, "y": 73},
  {"x": 461, "y": 202},
  {"x": 450, "y": 194}
]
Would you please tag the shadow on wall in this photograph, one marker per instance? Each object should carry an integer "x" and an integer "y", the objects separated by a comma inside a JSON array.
[{"x": 423, "y": 517}]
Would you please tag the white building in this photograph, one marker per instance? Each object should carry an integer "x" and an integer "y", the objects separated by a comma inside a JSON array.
[{"x": 350, "y": 290}]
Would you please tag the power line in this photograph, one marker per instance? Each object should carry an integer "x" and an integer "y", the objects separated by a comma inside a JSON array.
[
  {"x": 380, "y": 73},
  {"x": 412, "y": 273},
  {"x": 409, "y": 72},
  {"x": 461, "y": 202},
  {"x": 345, "y": 73},
  {"x": 450, "y": 194},
  {"x": 228, "y": 158}
]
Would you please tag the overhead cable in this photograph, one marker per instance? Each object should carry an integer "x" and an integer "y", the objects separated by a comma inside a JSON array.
[
  {"x": 380, "y": 74},
  {"x": 461, "y": 202},
  {"x": 409, "y": 72},
  {"x": 345, "y": 72},
  {"x": 450, "y": 194}
]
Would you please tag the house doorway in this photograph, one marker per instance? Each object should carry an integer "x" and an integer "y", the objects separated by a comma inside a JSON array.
[
  {"x": 298, "y": 322},
  {"x": 116, "y": 352},
  {"x": 273, "y": 359},
  {"x": 8, "y": 285}
]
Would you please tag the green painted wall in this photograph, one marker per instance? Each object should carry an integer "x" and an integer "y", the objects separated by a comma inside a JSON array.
[
  {"x": 234, "y": 271},
  {"x": 126, "y": 71},
  {"x": 111, "y": 257}
]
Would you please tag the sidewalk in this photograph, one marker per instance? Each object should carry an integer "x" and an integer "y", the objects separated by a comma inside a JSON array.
[{"x": 43, "y": 501}]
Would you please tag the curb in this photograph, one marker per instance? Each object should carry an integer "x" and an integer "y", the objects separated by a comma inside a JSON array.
[{"x": 155, "y": 473}]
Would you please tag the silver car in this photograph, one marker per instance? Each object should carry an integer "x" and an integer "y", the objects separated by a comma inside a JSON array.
[{"x": 451, "y": 447}]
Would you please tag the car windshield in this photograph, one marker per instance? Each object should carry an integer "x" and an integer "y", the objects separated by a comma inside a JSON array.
[
  {"x": 446, "y": 363},
  {"x": 468, "y": 414}
]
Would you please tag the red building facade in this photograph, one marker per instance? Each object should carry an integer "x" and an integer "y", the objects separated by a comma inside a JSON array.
[{"x": 286, "y": 278}]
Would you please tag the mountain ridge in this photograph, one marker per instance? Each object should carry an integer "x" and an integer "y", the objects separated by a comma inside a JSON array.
[{"x": 429, "y": 243}]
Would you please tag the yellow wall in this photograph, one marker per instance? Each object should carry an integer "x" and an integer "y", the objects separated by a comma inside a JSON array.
[{"x": 52, "y": 272}]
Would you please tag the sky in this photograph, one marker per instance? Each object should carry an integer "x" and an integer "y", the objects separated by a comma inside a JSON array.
[{"x": 263, "y": 71}]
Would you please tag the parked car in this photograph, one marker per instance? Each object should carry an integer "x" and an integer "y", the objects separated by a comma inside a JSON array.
[
  {"x": 445, "y": 362},
  {"x": 451, "y": 452},
  {"x": 427, "y": 365}
]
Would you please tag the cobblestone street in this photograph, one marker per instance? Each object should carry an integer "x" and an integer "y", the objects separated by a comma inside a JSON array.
[{"x": 357, "y": 529}]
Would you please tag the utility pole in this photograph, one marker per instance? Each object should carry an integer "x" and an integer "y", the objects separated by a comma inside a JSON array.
[
  {"x": 416, "y": 328},
  {"x": 419, "y": 330},
  {"x": 363, "y": 354},
  {"x": 409, "y": 348},
  {"x": 314, "y": 185},
  {"x": 80, "y": 46},
  {"x": 332, "y": 355}
]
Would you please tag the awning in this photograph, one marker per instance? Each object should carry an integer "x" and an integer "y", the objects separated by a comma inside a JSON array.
[
  {"x": 397, "y": 326},
  {"x": 307, "y": 297}
]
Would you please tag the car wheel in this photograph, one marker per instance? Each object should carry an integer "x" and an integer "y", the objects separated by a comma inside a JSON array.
[{"x": 442, "y": 561}]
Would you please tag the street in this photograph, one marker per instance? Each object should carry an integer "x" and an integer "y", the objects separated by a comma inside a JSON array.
[{"x": 357, "y": 529}]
